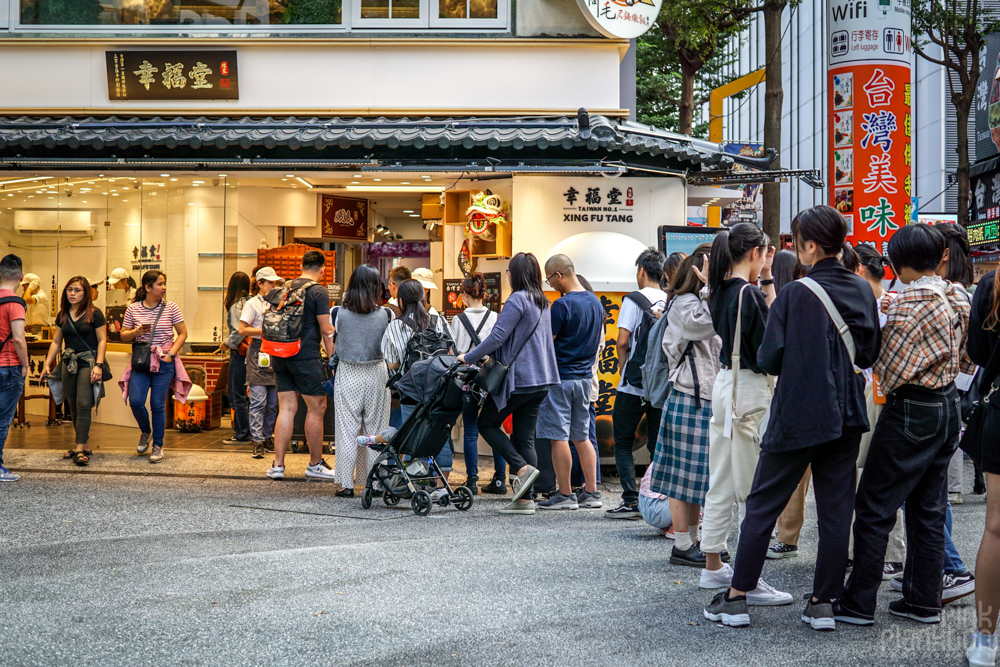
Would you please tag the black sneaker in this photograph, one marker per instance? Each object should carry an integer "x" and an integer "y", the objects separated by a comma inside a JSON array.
[
  {"x": 782, "y": 550},
  {"x": 890, "y": 570},
  {"x": 819, "y": 615},
  {"x": 847, "y": 616},
  {"x": 269, "y": 445},
  {"x": 957, "y": 586},
  {"x": 897, "y": 584},
  {"x": 850, "y": 566},
  {"x": 472, "y": 484},
  {"x": 496, "y": 487},
  {"x": 724, "y": 556},
  {"x": 733, "y": 612},
  {"x": 692, "y": 556},
  {"x": 904, "y": 609},
  {"x": 258, "y": 449},
  {"x": 624, "y": 511}
]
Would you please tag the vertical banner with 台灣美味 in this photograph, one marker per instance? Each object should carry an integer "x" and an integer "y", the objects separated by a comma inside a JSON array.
[{"x": 871, "y": 118}]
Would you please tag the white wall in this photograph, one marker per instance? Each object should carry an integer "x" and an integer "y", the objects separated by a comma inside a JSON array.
[{"x": 341, "y": 76}]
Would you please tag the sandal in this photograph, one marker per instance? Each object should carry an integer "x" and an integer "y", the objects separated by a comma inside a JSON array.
[
  {"x": 81, "y": 458},
  {"x": 70, "y": 454}
]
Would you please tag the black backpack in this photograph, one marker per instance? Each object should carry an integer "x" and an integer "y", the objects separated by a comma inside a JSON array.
[
  {"x": 633, "y": 367},
  {"x": 11, "y": 299},
  {"x": 281, "y": 331},
  {"x": 424, "y": 344}
]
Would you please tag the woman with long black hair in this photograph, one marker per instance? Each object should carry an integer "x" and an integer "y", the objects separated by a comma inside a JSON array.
[
  {"x": 360, "y": 397},
  {"x": 740, "y": 259},
  {"x": 237, "y": 294},
  {"x": 82, "y": 329},
  {"x": 523, "y": 337},
  {"x": 150, "y": 318}
]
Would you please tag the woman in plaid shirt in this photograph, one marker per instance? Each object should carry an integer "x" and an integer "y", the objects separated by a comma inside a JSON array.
[{"x": 923, "y": 351}]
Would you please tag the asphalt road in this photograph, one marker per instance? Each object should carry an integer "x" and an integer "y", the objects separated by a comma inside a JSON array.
[{"x": 105, "y": 570}]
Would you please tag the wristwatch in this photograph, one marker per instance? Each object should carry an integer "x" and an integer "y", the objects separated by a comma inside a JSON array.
[{"x": 768, "y": 281}]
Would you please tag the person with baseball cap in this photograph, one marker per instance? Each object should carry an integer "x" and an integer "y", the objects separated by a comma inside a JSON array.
[
  {"x": 36, "y": 299},
  {"x": 121, "y": 288},
  {"x": 260, "y": 376},
  {"x": 426, "y": 278}
]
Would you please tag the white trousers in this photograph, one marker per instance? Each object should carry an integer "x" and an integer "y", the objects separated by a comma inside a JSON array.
[
  {"x": 361, "y": 405},
  {"x": 731, "y": 463}
]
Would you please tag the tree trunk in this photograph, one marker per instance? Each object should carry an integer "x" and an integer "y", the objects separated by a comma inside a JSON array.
[
  {"x": 962, "y": 108},
  {"x": 773, "y": 98},
  {"x": 686, "y": 107}
]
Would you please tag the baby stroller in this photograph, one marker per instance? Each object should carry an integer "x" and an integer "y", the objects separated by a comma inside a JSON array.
[{"x": 442, "y": 386}]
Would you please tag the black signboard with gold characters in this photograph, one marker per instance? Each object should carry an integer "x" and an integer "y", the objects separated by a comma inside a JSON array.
[{"x": 172, "y": 75}]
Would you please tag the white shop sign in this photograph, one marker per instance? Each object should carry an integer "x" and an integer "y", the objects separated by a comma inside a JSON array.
[
  {"x": 869, "y": 31},
  {"x": 625, "y": 19}
]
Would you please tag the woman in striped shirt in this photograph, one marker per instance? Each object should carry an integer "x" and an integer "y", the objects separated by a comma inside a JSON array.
[{"x": 150, "y": 310}]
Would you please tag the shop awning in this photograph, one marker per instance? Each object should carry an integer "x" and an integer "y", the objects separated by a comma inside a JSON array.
[{"x": 534, "y": 143}]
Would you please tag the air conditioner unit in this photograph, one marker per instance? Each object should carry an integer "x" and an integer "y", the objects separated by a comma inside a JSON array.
[{"x": 62, "y": 222}]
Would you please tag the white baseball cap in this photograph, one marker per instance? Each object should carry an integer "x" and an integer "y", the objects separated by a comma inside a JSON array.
[
  {"x": 29, "y": 278},
  {"x": 117, "y": 276},
  {"x": 425, "y": 277},
  {"x": 269, "y": 274}
]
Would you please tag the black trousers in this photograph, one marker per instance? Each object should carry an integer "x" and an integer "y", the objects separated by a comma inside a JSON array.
[
  {"x": 777, "y": 476},
  {"x": 627, "y": 414},
  {"x": 908, "y": 462},
  {"x": 519, "y": 449}
]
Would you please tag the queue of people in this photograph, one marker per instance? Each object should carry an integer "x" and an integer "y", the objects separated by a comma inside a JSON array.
[{"x": 768, "y": 372}]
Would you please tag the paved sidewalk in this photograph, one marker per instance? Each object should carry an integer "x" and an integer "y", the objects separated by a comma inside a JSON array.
[{"x": 122, "y": 570}]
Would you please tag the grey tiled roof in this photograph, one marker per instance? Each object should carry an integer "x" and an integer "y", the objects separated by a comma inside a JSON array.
[{"x": 539, "y": 136}]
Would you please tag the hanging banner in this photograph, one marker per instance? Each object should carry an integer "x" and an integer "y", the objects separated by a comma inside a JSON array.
[{"x": 871, "y": 121}]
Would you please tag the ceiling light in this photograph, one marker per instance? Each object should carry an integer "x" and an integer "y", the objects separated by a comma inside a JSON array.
[
  {"x": 355, "y": 182},
  {"x": 84, "y": 201},
  {"x": 414, "y": 215},
  {"x": 377, "y": 180},
  {"x": 395, "y": 188},
  {"x": 164, "y": 175},
  {"x": 284, "y": 179},
  {"x": 404, "y": 182},
  {"x": 198, "y": 182},
  {"x": 304, "y": 182},
  {"x": 408, "y": 211},
  {"x": 222, "y": 175},
  {"x": 289, "y": 175},
  {"x": 173, "y": 179},
  {"x": 114, "y": 194},
  {"x": 357, "y": 175},
  {"x": 24, "y": 180}
]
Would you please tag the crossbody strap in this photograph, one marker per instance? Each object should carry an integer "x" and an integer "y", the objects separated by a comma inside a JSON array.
[
  {"x": 737, "y": 342},
  {"x": 73, "y": 327},
  {"x": 838, "y": 321},
  {"x": 152, "y": 332},
  {"x": 518, "y": 353},
  {"x": 5, "y": 300}
]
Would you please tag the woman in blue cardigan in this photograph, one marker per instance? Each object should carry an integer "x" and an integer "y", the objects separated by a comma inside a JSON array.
[{"x": 523, "y": 336}]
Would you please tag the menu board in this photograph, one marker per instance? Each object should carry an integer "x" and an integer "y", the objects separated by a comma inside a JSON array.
[
  {"x": 452, "y": 298},
  {"x": 493, "y": 291}
]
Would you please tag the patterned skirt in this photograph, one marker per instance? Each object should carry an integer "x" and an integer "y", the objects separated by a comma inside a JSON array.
[{"x": 680, "y": 462}]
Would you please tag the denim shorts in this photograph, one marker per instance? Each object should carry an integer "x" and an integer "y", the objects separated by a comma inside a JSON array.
[
  {"x": 565, "y": 412},
  {"x": 655, "y": 511}
]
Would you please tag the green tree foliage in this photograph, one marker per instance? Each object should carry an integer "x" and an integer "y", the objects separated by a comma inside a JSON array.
[
  {"x": 951, "y": 33},
  {"x": 682, "y": 58}
]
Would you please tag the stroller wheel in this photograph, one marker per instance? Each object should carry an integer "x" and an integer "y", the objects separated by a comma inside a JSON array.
[
  {"x": 421, "y": 503},
  {"x": 464, "y": 496},
  {"x": 389, "y": 499},
  {"x": 366, "y": 498}
]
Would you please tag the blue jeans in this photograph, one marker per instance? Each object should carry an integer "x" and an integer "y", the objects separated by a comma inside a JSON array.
[
  {"x": 157, "y": 386},
  {"x": 577, "y": 474},
  {"x": 11, "y": 388},
  {"x": 952, "y": 561},
  {"x": 263, "y": 411},
  {"x": 470, "y": 424},
  {"x": 237, "y": 395},
  {"x": 444, "y": 459}
]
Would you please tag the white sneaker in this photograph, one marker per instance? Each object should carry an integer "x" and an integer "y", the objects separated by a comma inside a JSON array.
[
  {"x": 982, "y": 651},
  {"x": 320, "y": 471},
  {"x": 765, "y": 595},
  {"x": 718, "y": 578},
  {"x": 438, "y": 494},
  {"x": 276, "y": 472}
]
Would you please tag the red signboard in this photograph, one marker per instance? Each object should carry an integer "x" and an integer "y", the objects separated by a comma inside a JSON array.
[{"x": 344, "y": 218}]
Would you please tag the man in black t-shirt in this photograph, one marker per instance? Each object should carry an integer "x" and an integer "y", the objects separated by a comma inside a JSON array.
[{"x": 303, "y": 374}]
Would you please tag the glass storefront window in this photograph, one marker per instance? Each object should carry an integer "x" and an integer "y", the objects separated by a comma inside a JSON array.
[
  {"x": 390, "y": 9},
  {"x": 180, "y": 12},
  {"x": 467, "y": 9}
]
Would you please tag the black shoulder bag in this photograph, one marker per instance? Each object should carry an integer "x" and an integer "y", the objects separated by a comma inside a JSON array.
[
  {"x": 492, "y": 373},
  {"x": 105, "y": 367},
  {"x": 141, "y": 352},
  {"x": 983, "y": 424}
]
